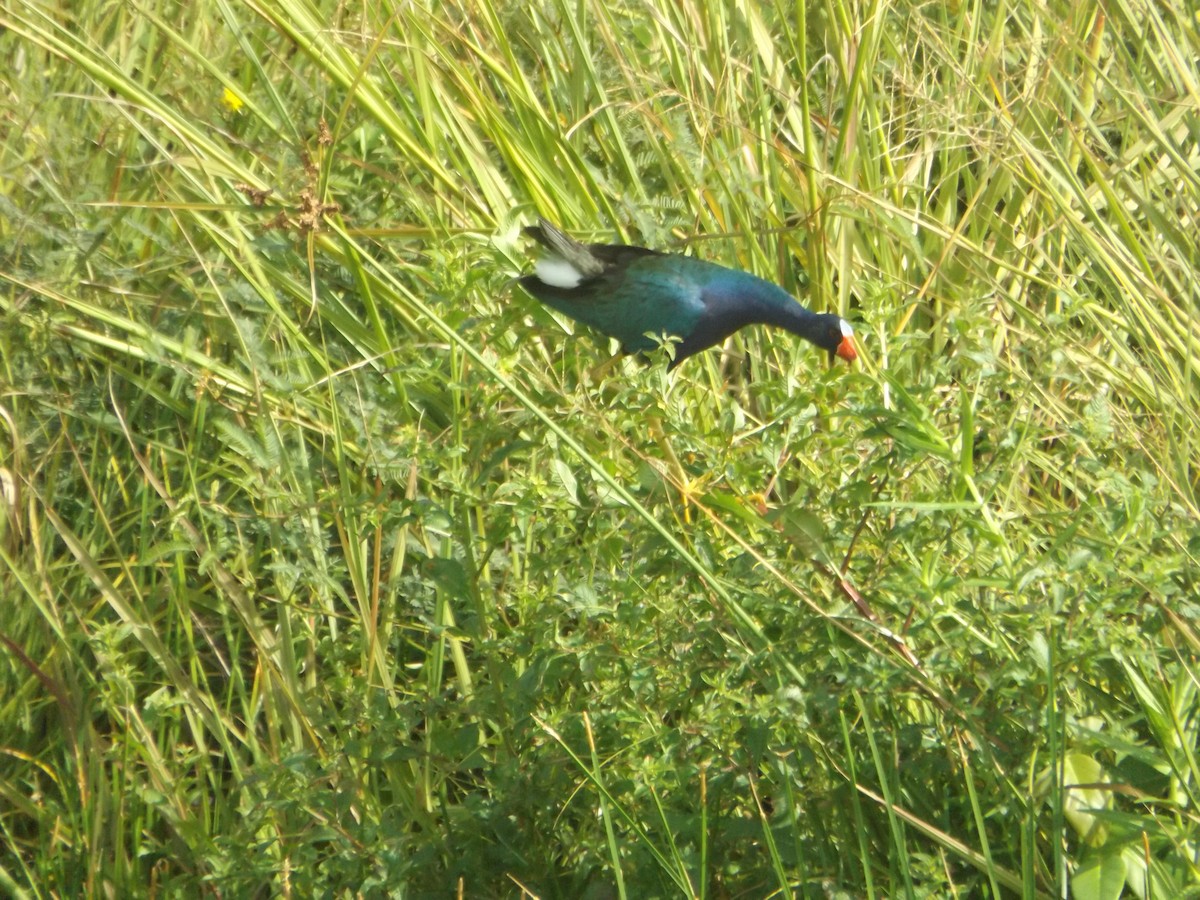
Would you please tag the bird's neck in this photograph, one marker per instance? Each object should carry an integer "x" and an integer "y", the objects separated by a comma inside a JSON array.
[{"x": 761, "y": 302}]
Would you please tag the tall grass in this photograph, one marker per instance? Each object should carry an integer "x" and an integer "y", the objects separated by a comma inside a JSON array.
[{"x": 330, "y": 565}]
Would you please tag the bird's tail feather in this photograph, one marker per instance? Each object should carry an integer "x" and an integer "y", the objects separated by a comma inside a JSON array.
[{"x": 562, "y": 245}]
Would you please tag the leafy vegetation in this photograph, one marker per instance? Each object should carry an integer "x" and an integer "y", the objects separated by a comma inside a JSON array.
[{"x": 331, "y": 566}]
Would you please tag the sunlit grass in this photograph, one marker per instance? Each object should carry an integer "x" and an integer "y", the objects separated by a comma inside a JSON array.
[{"x": 329, "y": 565}]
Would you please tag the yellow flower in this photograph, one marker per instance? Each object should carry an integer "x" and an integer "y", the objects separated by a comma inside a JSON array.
[{"x": 232, "y": 101}]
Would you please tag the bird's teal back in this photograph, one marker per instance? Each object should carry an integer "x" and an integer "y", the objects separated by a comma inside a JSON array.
[{"x": 655, "y": 294}]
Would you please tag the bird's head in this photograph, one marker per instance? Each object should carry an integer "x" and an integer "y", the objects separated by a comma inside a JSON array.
[{"x": 833, "y": 333}]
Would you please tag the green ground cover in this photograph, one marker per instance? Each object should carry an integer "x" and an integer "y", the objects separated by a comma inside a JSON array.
[{"x": 330, "y": 566}]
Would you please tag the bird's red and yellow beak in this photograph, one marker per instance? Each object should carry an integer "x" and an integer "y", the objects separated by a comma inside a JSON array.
[{"x": 846, "y": 349}]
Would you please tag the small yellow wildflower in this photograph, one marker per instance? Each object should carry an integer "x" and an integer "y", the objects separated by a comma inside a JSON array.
[{"x": 232, "y": 101}]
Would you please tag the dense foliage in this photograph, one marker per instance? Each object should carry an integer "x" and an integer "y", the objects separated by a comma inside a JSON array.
[{"x": 332, "y": 566}]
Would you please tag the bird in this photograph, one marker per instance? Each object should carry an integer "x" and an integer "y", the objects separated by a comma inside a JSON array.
[{"x": 641, "y": 296}]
